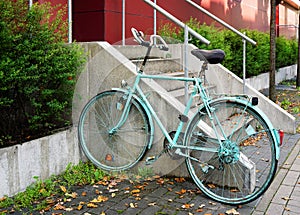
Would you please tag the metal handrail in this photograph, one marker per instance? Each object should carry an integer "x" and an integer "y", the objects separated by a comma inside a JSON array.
[
  {"x": 221, "y": 22},
  {"x": 177, "y": 21}
]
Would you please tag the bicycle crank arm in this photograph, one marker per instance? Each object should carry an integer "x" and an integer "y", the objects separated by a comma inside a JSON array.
[
  {"x": 152, "y": 159},
  {"x": 204, "y": 166}
]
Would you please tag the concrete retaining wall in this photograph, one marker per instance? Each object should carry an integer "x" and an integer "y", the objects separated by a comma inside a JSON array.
[
  {"x": 262, "y": 81},
  {"x": 41, "y": 157}
]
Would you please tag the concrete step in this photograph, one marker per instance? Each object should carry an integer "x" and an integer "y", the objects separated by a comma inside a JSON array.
[
  {"x": 156, "y": 66},
  {"x": 179, "y": 94}
]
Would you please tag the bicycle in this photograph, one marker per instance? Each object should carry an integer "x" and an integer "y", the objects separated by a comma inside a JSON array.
[{"x": 230, "y": 147}]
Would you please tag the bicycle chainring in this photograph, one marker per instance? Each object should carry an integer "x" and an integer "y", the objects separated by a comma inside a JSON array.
[{"x": 171, "y": 152}]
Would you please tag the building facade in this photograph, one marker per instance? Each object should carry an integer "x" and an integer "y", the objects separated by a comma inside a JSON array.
[{"x": 103, "y": 20}]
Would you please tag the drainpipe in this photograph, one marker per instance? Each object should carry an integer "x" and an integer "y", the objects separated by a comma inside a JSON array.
[
  {"x": 70, "y": 20},
  {"x": 154, "y": 19},
  {"x": 123, "y": 22}
]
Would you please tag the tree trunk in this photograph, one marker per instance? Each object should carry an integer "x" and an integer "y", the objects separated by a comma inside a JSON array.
[{"x": 272, "y": 87}]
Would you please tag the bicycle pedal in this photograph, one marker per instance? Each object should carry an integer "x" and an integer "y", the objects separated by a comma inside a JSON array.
[{"x": 150, "y": 160}]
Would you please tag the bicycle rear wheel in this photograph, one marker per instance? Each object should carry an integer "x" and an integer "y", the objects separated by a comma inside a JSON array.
[
  {"x": 241, "y": 170},
  {"x": 121, "y": 149}
]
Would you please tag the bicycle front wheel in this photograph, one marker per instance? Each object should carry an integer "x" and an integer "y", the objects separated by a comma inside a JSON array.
[
  {"x": 237, "y": 167},
  {"x": 122, "y": 148}
]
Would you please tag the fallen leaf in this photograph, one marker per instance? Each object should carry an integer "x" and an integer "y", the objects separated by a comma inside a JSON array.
[
  {"x": 232, "y": 211},
  {"x": 132, "y": 205},
  {"x": 135, "y": 191},
  {"x": 59, "y": 207},
  {"x": 113, "y": 190},
  {"x": 92, "y": 205},
  {"x": 182, "y": 191},
  {"x": 79, "y": 207},
  {"x": 63, "y": 188},
  {"x": 73, "y": 195},
  {"x": 69, "y": 209},
  {"x": 152, "y": 204},
  {"x": 187, "y": 206},
  {"x": 286, "y": 198},
  {"x": 180, "y": 180},
  {"x": 99, "y": 199},
  {"x": 211, "y": 186},
  {"x": 202, "y": 206},
  {"x": 83, "y": 193}
]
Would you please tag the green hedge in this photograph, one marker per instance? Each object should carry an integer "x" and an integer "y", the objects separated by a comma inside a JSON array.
[
  {"x": 37, "y": 71},
  {"x": 257, "y": 61}
]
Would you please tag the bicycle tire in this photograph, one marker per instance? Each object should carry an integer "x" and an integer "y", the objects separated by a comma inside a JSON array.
[
  {"x": 245, "y": 168},
  {"x": 125, "y": 147}
]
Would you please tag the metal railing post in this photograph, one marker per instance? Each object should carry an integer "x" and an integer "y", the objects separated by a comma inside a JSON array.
[
  {"x": 123, "y": 22},
  {"x": 185, "y": 58},
  {"x": 244, "y": 65}
]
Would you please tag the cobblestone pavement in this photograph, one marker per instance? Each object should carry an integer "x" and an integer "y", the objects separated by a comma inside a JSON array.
[{"x": 178, "y": 196}]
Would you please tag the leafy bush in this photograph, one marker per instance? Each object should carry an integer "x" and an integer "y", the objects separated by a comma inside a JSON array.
[
  {"x": 37, "y": 70},
  {"x": 258, "y": 57}
]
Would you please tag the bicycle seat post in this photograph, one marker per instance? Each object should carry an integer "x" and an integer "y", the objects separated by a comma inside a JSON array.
[{"x": 145, "y": 59}]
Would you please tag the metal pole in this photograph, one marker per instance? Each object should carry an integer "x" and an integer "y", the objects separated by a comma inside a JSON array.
[
  {"x": 221, "y": 22},
  {"x": 185, "y": 57},
  {"x": 30, "y": 3},
  {"x": 70, "y": 19},
  {"x": 177, "y": 21},
  {"x": 244, "y": 65},
  {"x": 154, "y": 19},
  {"x": 123, "y": 22}
]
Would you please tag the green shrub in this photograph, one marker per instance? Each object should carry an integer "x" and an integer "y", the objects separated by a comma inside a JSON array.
[
  {"x": 258, "y": 57},
  {"x": 37, "y": 70}
]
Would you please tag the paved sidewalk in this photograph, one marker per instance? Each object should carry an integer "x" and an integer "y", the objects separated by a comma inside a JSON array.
[
  {"x": 172, "y": 196},
  {"x": 283, "y": 196},
  {"x": 166, "y": 195}
]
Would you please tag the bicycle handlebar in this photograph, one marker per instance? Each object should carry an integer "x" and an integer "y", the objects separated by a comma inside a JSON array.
[{"x": 139, "y": 37}]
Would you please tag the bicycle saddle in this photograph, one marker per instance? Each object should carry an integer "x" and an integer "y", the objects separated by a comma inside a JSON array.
[{"x": 212, "y": 56}]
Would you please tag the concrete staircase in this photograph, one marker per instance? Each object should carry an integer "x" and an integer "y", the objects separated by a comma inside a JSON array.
[{"x": 170, "y": 67}]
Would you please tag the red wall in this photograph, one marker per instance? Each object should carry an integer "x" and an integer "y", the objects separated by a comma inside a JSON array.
[
  {"x": 88, "y": 20},
  {"x": 101, "y": 20}
]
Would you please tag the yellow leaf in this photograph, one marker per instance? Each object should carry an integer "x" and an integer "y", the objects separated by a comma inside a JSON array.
[
  {"x": 135, "y": 191},
  {"x": 99, "y": 199},
  {"x": 63, "y": 188},
  {"x": 79, "y": 207},
  {"x": 92, "y": 205},
  {"x": 232, "y": 211}
]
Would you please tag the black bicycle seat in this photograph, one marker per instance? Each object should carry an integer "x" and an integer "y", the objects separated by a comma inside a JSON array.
[{"x": 212, "y": 56}]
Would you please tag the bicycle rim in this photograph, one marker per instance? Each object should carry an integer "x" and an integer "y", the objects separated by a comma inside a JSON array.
[
  {"x": 244, "y": 168},
  {"x": 123, "y": 148}
]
